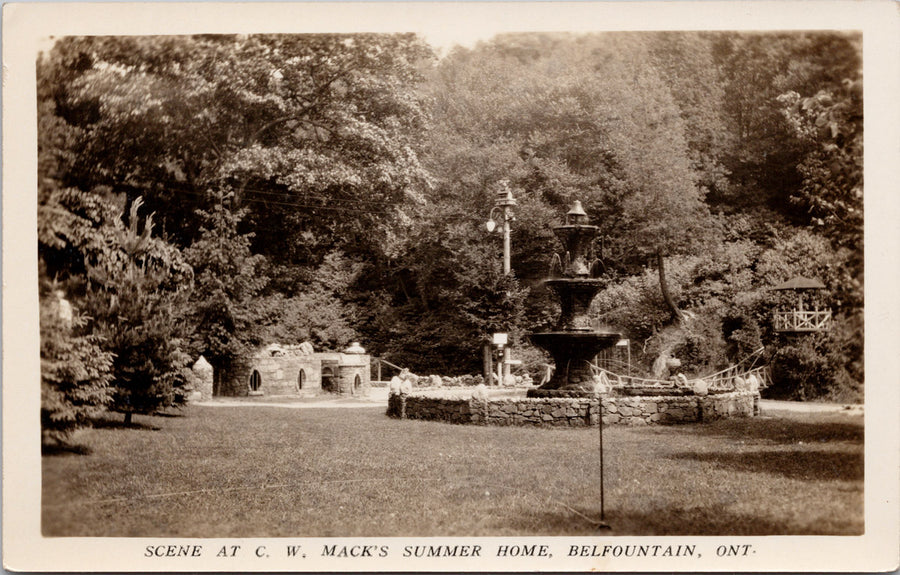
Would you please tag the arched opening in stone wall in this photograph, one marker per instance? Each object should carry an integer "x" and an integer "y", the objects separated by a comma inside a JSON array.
[
  {"x": 327, "y": 379},
  {"x": 356, "y": 383},
  {"x": 255, "y": 381},
  {"x": 301, "y": 379}
]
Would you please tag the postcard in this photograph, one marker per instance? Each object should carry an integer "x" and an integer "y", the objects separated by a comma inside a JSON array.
[{"x": 450, "y": 286}]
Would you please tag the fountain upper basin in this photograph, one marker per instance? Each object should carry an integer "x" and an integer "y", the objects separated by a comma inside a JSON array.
[{"x": 551, "y": 340}]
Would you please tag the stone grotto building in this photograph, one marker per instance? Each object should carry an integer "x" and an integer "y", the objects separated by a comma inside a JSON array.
[{"x": 296, "y": 370}]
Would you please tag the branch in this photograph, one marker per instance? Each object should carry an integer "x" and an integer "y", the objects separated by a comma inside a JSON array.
[{"x": 312, "y": 103}]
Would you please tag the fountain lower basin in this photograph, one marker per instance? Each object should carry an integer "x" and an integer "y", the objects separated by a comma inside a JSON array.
[
  {"x": 504, "y": 407},
  {"x": 573, "y": 352}
]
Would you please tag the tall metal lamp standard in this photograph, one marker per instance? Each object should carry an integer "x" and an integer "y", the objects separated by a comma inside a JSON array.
[
  {"x": 504, "y": 204},
  {"x": 503, "y": 207}
]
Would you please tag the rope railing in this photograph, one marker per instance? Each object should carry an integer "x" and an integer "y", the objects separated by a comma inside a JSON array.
[
  {"x": 725, "y": 380},
  {"x": 389, "y": 364},
  {"x": 610, "y": 364}
]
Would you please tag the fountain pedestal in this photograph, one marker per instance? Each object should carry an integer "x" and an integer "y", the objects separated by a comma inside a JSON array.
[
  {"x": 572, "y": 354},
  {"x": 573, "y": 344}
]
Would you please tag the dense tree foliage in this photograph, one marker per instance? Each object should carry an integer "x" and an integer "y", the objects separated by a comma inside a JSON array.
[
  {"x": 329, "y": 188},
  {"x": 302, "y": 131},
  {"x": 755, "y": 70},
  {"x": 136, "y": 292},
  {"x": 586, "y": 118},
  {"x": 830, "y": 123}
]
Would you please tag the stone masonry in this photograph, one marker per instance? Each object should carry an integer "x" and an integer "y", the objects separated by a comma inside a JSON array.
[
  {"x": 574, "y": 412},
  {"x": 283, "y": 370}
]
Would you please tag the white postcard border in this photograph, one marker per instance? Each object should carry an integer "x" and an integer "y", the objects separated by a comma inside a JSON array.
[{"x": 26, "y": 28}]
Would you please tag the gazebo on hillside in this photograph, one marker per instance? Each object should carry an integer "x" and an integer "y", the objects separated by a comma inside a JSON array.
[{"x": 802, "y": 317}]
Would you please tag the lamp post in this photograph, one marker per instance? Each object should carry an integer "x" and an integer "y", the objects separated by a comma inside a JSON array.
[{"x": 504, "y": 205}]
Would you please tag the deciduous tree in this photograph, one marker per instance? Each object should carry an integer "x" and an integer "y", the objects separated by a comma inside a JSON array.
[
  {"x": 224, "y": 312},
  {"x": 313, "y": 134}
]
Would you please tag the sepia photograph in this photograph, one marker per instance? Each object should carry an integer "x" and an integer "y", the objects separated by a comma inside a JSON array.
[{"x": 353, "y": 298}]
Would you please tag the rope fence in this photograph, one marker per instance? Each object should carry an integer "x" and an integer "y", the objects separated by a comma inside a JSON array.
[{"x": 725, "y": 380}]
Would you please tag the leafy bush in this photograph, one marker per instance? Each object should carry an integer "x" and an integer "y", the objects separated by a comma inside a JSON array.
[
  {"x": 315, "y": 315},
  {"x": 741, "y": 328},
  {"x": 75, "y": 372},
  {"x": 703, "y": 348},
  {"x": 534, "y": 361},
  {"x": 825, "y": 366},
  {"x": 799, "y": 371},
  {"x": 633, "y": 305}
]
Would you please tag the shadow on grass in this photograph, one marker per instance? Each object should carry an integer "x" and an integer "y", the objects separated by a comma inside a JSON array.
[
  {"x": 64, "y": 449},
  {"x": 168, "y": 414},
  {"x": 691, "y": 521},
  {"x": 119, "y": 424},
  {"x": 779, "y": 430},
  {"x": 814, "y": 465}
]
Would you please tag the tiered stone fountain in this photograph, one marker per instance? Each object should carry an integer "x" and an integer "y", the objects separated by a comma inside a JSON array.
[
  {"x": 569, "y": 398},
  {"x": 573, "y": 343}
]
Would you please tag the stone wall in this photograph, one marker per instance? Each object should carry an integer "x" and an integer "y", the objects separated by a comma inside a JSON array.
[
  {"x": 278, "y": 376},
  {"x": 574, "y": 412},
  {"x": 351, "y": 367}
]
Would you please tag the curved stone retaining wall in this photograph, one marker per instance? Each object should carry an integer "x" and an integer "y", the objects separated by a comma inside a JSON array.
[{"x": 574, "y": 412}]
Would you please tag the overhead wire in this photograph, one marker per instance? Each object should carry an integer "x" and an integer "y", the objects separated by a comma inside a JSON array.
[
  {"x": 300, "y": 205},
  {"x": 266, "y": 201},
  {"x": 258, "y": 196},
  {"x": 330, "y": 199}
]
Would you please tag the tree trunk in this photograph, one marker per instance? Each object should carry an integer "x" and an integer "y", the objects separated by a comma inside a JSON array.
[
  {"x": 664, "y": 287},
  {"x": 128, "y": 418},
  {"x": 403, "y": 288},
  {"x": 487, "y": 363}
]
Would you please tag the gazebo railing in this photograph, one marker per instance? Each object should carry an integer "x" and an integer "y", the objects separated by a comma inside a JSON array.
[{"x": 802, "y": 320}]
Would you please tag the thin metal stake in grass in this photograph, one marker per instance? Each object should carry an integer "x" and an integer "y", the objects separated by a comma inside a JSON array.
[{"x": 603, "y": 524}]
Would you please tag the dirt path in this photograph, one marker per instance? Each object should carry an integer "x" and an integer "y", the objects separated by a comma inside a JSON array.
[
  {"x": 768, "y": 406},
  {"x": 378, "y": 398}
]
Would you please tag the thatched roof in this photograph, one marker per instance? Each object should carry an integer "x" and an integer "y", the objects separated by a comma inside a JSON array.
[{"x": 800, "y": 283}]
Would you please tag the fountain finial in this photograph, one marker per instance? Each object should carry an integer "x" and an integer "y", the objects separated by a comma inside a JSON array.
[{"x": 576, "y": 215}]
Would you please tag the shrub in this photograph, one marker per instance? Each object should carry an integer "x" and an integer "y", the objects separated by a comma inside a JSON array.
[
  {"x": 742, "y": 332},
  {"x": 798, "y": 371},
  {"x": 534, "y": 361},
  {"x": 703, "y": 348},
  {"x": 820, "y": 366},
  {"x": 75, "y": 372}
]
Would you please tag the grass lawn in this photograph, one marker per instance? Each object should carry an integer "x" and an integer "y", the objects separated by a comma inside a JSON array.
[{"x": 260, "y": 471}]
